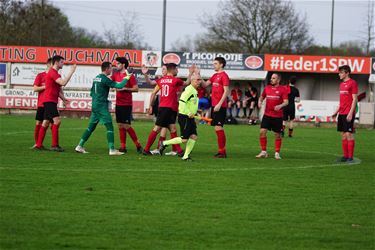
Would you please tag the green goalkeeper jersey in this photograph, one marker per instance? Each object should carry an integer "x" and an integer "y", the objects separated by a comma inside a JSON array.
[
  {"x": 100, "y": 89},
  {"x": 188, "y": 102}
]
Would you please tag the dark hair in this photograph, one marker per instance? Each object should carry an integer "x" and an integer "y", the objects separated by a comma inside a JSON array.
[
  {"x": 345, "y": 68},
  {"x": 57, "y": 58},
  {"x": 293, "y": 80},
  {"x": 171, "y": 66},
  {"x": 49, "y": 60},
  {"x": 123, "y": 60},
  {"x": 221, "y": 60},
  {"x": 106, "y": 65}
]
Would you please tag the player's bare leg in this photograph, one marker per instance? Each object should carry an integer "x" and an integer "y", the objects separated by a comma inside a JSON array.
[
  {"x": 263, "y": 143},
  {"x": 290, "y": 130}
]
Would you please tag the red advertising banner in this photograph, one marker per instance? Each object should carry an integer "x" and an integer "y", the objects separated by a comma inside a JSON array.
[
  {"x": 316, "y": 64},
  {"x": 88, "y": 56}
]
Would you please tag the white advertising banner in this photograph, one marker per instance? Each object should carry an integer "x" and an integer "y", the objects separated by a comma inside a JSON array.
[{"x": 78, "y": 100}]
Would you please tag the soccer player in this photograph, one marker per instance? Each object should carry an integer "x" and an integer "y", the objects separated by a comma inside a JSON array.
[
  {"x": 169, "y": 86},
  {"x": 251, "y": 101},
  {"x": 276, "y": 99},
  {"x": 290, "y": 110},
  {"x": 187, "y": 108},
  {"x": 51, "y": 94},
  {"x": 220, "y": 91},
  {"x": 39, "y": 87},
  {"x": 124, "y": 104},
  {"x": 99, "y": 93},
  {"x": 346, "y": 112}
]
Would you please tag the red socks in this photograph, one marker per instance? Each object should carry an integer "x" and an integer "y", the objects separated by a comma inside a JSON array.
[
  {"x": 161, "y": 138},
  {"x": 122, "y": 132},
  {"x": 351, "y": 144},
  {"x": 263, "y": 143},
  {"x": 176, "y": 147},
  {"x": 41, "y": 135},
  {"x": 36, "y": 132},
  {"x": 55, "y": 135},
  {"x": 134, "y": 137},
  {"x": 344, "y": 144},
  {"x": 150, "y": 140},
  {"x": 277, "y": 145},
  {"x": 221, "y": 141}
]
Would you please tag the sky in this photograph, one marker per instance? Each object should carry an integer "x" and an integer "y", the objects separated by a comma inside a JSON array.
[{"x": 183, "y": 17}]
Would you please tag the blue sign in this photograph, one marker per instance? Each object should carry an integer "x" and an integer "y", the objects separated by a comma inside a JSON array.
[{"x": 3, "y": 73}]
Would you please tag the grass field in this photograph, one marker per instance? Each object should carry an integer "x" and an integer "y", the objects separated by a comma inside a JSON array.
[{"x": 66, "y": 200}]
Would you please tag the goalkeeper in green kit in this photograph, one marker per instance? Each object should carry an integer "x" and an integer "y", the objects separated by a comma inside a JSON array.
[
  {"x": 187, "y": 108},
  {"x": 99, "y": 93}
]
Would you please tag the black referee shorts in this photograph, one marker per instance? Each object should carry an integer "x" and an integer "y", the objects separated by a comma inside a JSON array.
[
  {"x": 166, "y": 117},
  {"x": 272, "y": 123},
  {"x": 344, "y": 126},
  {"x": 218, "y": 118},
  {"x": 188, "y": 126},
  {"x": 50, "y": 111},
  {"x": 124, "y": 114}
]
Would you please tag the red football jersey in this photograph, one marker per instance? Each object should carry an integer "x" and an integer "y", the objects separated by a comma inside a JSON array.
[
  {"x": 347, "y": 89},
  {"x": 274, "y": 96},
  {"x": 40, "y": 80},
  {"x": 201, "y": 92},
  {"x": 51, "y": 93},
  {"x": 169, "y": 88},
  {"x": 124, "y": 98},
  {"x": 236, "y": 94},
  {"x": 218, "y": 81}
]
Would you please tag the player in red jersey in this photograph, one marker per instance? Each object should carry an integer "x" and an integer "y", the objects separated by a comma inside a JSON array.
[
  {"x": 276, "y": 99},
  {"x": 220, "y": 91},
  {"x": 50, "y": 100},
  {"x": 235, "y": 100},
  {"x": 346, "y": 112},
  {"x": 169, "y": 86},
  {"x": 124, "y": 105},
  {"x": 39, "y": 87}
]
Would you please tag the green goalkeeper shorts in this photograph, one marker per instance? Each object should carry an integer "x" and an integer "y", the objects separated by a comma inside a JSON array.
[{"x": 101, "y": 115}]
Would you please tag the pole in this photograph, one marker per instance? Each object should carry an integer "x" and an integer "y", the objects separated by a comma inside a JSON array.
[
  {"x": 164, "y": 24},
  {"x": 41, "y": 23},
  {"x": 332, "y": 17}
]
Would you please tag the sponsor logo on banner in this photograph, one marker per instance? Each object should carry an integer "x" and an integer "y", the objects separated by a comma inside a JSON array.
[
  {"x": 373, "y": 65},
  {"x": 78, "y": 100},
  {"x": 204, "y": 60},
  {"x": 151, "y": 58},
  {"x": 3, "y": 73},
  {"x": 254, "y": 62},
  {"x": 316, "y": 64},
  {"x": 171, "y": 58},
  {"x": 90, "y": 56}
]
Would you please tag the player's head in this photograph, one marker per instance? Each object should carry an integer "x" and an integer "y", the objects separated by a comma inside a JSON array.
[
  {"x": 49, "y": 63},
  {"x": 122, "y": 63},
  {"x": 219, "y": 63},
  {"x": 172, "y": 68},
  {"x": 196, "y": 80},
  {"x": 293, "y": 80},
  {"x": 275, "y": 79},
  {"x": 107, "y": 68},
  {"x": 249, "y": 85},
  {"x": 58, "y": 61},
  {"x": 344, "y": 72},
  {"x": 164, "y": 70}
]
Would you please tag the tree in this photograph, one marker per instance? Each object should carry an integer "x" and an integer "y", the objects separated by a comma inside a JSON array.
[
  {"x": 370, "y": 28},
  {"x": 126, "y": 34},
  {"x": 253, "y": 26},
  {"x": 187, "y": 43}
]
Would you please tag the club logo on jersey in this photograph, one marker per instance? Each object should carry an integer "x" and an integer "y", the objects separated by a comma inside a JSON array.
[
  {"x": 254, "y": 62},
  {"x": 171, "y": 58}
]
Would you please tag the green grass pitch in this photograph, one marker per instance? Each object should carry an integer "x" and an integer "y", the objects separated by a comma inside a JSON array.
[{"x": 68, "y": 200}]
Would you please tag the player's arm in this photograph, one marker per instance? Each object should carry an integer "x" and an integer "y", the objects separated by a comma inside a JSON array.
[
  {"x": 192, "y": 69},
  {"x": 62, "y": 97},
  {"x": 282, "y": 105},
  {"x": 351, "y": 113},
  {"x": 147, "y": 77},
  {"x": 223, "y": 98},
  {"x": 152, "y": 98},
  {"x": 134, "y": 88},
  {"x": 118, "y": 85},
  {"x": 65, "y": 81},
  {"x": 336, "y": 112},
  {"x": 38, "y": 87},
  {"x": 297, "y": 99}
]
